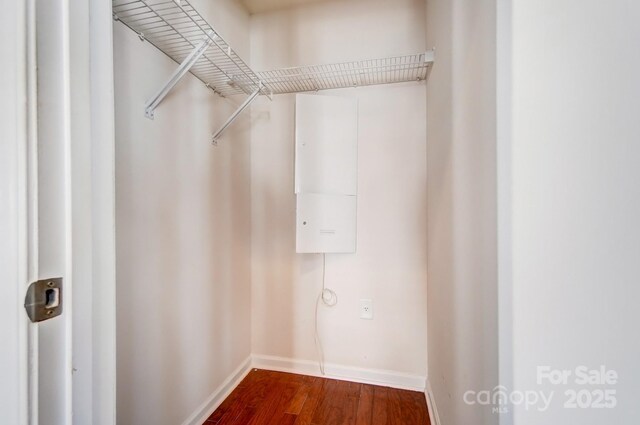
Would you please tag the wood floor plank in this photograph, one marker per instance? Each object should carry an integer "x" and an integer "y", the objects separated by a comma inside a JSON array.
[
  {"x": 288, "y": 419},
  {"x": 399, "y": 407},
  {"x": 281, "y": 404},
  {"x": 416, "y": 407},
  {"x": 338, "y": 404},
  {"x": 258, "y": 387},
  {"x": 245, "y": 416},
  {"x": 271, "y": 411},
  {"x": 276, "y": 398},
  {"x": 311, "y": 403},
  {"x": 253, "y": 379},
  {"x": 295, "y": 407},
  {"x": 380, "y": 398},
  {"x": 228, "y": 404},
  {"x": 365, "y": 405},
  {"x": 396, "y": 414},
  {"x": 251, "y": 392}
]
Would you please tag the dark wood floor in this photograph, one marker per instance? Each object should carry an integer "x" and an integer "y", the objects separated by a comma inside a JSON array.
[{"x": 275, "y": 398}]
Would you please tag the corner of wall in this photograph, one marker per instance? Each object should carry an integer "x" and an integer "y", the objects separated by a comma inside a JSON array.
[
  {"x": 216, "y": 398},
  {"x": 431, "y": 404}
]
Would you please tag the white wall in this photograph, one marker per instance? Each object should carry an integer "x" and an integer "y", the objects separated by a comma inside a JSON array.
[
  {"x": 462, "y": 251},
  {"x": 576, "y": 199},
  {"x": 390, "y": 264},
  {"x": 183, "y": 232}
]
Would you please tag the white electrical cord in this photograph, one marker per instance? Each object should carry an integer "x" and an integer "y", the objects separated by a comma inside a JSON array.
[{"x": 329, "y": 299}]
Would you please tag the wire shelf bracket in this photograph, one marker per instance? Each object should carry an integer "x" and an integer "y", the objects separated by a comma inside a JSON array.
[
  {"x": 185, "y": 66},
  {"x": 232, "y": 118}
]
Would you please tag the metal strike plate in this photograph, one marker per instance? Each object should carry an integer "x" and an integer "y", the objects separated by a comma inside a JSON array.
[{"x": 44, "y": 299}]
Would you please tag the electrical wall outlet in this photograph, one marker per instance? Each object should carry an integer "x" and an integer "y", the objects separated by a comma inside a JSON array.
[{"x": 366, "y": 309}]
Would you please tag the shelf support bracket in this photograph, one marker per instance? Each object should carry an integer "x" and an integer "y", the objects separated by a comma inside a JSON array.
[
  {"x": 235, "y": 115},
  {"x": 185, "y": 66},
  {"x": 430, "y": 55}
]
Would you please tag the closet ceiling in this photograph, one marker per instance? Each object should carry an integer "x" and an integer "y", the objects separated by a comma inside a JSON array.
[{"x": 257, "y": 6}]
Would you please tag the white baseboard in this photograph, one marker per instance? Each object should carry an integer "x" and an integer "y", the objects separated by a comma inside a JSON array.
[
  {"x": 431, "y": 404},
  {"x": 211, "y": 404},
  {"x": 385, "y": 378}
]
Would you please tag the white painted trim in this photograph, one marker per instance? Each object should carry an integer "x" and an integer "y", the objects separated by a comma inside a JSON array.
[
  {"x": 504, "y": 112},
  {"x": 385, "y": 378},
  {"x": 13, "y": 215},
  {"x": 434, "y": 417},
  {"x": 31, "y": 234},
  {"x": 68, "y": 316},
  {"x": 103, "y": 216},
  {"x": 217, "y": 397}
]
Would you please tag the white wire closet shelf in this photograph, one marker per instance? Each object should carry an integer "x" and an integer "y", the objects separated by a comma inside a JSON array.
[
  {"x": 177, "y": 29},
  {"x": 349, "y": 74}
]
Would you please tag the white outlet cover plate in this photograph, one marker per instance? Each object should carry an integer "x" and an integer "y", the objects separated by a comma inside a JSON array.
[{"x": 366, "y": 309}]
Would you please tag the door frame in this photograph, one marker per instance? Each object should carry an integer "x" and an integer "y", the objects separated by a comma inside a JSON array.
[
  {"x": 14, "y": 386},
  {"x": 91, "y": 196},
  {"x": 97, "y": 25},
  {"x": 92, "y": 208}
]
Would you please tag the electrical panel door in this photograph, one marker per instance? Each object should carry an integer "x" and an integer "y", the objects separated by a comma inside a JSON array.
[
  {"x": 326, "y": 144},
  {"x": 326, "y": 223},
  {"x": 326, "y": 174}
]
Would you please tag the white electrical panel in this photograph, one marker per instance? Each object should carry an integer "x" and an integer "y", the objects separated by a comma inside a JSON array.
[
  {"x": 326, "y": 173},
  {"x": 326, "y": 144},
  {"x": 326, "y": 223}
]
